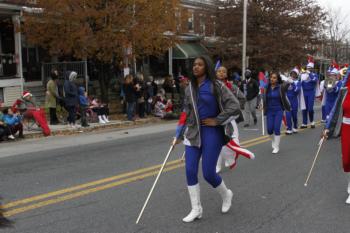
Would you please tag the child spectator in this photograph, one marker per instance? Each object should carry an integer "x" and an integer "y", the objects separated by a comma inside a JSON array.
[
  {"x": 13, "y": 121},
  {"x": 4, "y": 129},
  {"x": 101, "y": 110},
  {"x": 84, "y": 104}
]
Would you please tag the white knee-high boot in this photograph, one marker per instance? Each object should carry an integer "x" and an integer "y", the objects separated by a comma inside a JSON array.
[
  {"x": 104, "y": 117},
  {"x": 348, "y": 200},
  {"x": 276, "y": 144},
  {"x": 226, "y": 195},
  {"x": 197, "y": 210},
  {"x": 219, "y": 164}
]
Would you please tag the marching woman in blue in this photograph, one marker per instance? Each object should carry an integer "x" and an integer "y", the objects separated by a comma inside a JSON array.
[
  {"x": 331, "y": 90},
  {"x": 276, "y": 102},
  {"x": 293, "y": 94},
  {"x": 208, "y": 106}
]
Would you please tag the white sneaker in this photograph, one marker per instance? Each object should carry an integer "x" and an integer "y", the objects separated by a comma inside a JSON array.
[
  {"x": 313, "y": 125},
  {"x": 197, "y": 210},
  {"x": 289, "y": 132},
  {"x": 11, "y": 137},
  {"x": 295, "y": 130},
  {"x": 348, "y": 200}
]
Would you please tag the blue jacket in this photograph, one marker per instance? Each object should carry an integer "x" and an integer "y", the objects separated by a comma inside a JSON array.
[
  {"x": 71, "y": 93},
  {"x": 310, "y": 85},
  {"x": 83, "y": 100},
  {"x": 11, "y": 120}
]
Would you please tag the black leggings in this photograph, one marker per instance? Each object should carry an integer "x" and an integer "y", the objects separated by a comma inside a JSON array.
[
  {"x": 71, "y": 114},
  {"x": 101, "y": 111}
]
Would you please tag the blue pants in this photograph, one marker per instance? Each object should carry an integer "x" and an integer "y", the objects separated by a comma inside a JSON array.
[
  {"x": 130, "y": 109},
  {"x": 328, "y": 107},
  {"x": 274, "y": 121},
  {"x": 324, "y": 115},
  {"x": 309, "y": 97},
  {"x": 292, "y": 116},
  {"x": 212, "y": 139}
]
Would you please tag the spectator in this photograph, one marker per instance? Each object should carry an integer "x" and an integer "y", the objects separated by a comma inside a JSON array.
[
  {"x": 13, "y": 121},
  {"x": 130, "y": 96},
  {"x": 84, "y": 104},
  {"x": 169, "y": 85},
  {"x": 4, "y": 129},
  {"x": 71, "y": 98},
  {"x": 149, "y": 92},
  {"x": 100, "y": 109},
  {"x": 251, "y": 91},
  {"x": 140, "y": 95},
  {"x": 27, "y": 106},
  {"x": 184, "y": 81},
  {"x": 52, "y": 97}
]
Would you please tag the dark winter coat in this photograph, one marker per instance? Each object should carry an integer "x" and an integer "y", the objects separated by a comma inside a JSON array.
[{"x": 71, "y": 97}]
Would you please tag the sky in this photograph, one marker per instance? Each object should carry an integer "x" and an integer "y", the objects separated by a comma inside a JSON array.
[{"x": 336, "y": 4}]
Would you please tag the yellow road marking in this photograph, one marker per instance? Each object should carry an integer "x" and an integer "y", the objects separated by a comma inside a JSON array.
[
  {"x": 130, "y": 177},
  {"x": 85, "y": 192},
  {"x": 82, "y": 186}
]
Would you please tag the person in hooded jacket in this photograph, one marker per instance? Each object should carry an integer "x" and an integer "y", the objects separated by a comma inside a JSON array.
[{"x": 71, "y": 97}]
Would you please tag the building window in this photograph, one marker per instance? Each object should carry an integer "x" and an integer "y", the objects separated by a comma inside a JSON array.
[
  {"x": 202, "y": 24},
  {"x": 190, "y": 21},
  {"x": 1, "y": 96}
]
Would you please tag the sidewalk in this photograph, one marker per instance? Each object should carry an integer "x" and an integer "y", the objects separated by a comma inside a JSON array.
[{"x": 58, "y": 130}]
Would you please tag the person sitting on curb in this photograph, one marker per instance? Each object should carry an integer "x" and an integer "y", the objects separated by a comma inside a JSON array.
[
  {"x": 13, "y": 121},
  {"x": 28, "y": 108},
  {"x": 4, "y": 129},
  {"x": 84, "y": 104},
  {"x": 101, "y": 110}
]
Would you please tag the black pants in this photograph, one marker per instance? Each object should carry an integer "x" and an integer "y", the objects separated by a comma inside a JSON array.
[
  {"x": 4, "y": 131},
  {"x": 83, "y": 115},
  {"x": 71, "y": 114},
  {"x": 53, "y": 116},
  {"x": 141, "y": 109},
  {"x": 101, "y": 111}
]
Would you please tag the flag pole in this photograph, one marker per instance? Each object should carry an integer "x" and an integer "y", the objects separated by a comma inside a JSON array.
[
  {"x": 262, "y": 117},
  {"x": 156, "y": 180}
]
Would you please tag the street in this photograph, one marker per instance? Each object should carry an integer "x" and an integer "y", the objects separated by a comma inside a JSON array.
[{"x": 98, "y": 183}]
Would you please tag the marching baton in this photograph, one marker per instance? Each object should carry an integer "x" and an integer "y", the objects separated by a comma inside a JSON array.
[
  {"x": 313, "y": 164},
  {"x": 155, "y": 182},
  {"x": 262, "y": 118},
  {"x": 183, "y": 156}
]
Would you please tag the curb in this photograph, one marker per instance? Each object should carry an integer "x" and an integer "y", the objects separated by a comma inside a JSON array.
[{"x": 96, "y": 128}]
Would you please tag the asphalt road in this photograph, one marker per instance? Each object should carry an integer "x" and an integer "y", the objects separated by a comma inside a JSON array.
[{"x": 98, "y": 183}]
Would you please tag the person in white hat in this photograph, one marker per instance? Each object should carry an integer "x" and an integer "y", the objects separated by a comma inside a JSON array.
[{"x": 293, "y": 94}]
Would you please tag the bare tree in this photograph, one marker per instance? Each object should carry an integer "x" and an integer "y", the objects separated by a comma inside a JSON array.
[{"x": 338, "y": 32}]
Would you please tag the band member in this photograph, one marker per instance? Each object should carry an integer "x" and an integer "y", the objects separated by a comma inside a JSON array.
[
  {"x": 339, "y": 123},
  {"x": 309, "y": 83},
  {"x": 229, "y": 160},
  {"x": 331, "y": 87},
  {"x": 208, "y": 105},
  {"x": 275, "y": 102},
  {"x": 293, "y": 94}
]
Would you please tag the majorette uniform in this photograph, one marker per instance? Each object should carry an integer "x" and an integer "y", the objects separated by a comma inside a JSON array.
[
  {"x": 293, "y": 95},
  {"x": 330, "y": 94},
  {"x": 309, "y": 90},
  {"x": 339, "y": 123}
]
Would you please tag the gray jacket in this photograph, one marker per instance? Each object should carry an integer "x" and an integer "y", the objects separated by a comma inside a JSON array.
[{"x": 229, "y": 111}]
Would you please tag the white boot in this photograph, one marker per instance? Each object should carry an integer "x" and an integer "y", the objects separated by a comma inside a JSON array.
[
  {"x": 219, "y": 164},
  {"x": 277, "y": 140},
  {"x": 226, "y": 195},
  {"x": 273, "y": 142},
  {"x": 348, "y": 200},
  {"x": 101, "y": 121},
  {"x": 197, "y": 211},
  {"x": 105, "y": 118}
]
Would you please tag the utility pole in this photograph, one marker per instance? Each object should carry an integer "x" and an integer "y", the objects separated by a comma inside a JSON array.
[{"x": 244, "y": 50}]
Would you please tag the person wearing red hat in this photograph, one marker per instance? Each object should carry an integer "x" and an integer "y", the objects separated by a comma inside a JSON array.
[{"x": 29, "y": 109}]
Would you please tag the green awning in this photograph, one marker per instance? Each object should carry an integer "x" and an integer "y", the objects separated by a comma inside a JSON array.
[{"x": 188, "y": 51}]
